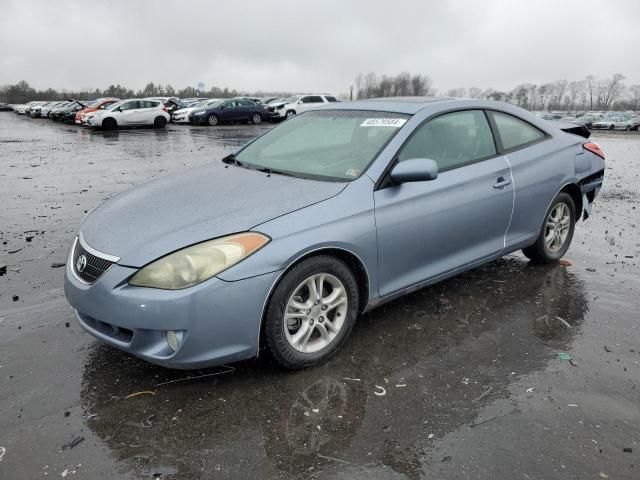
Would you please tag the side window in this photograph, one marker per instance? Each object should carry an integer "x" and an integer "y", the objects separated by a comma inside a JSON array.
[
  {"x": 314, "y": 99},
  {"x": 246, "y": 103},
  {"x": 515, "y": 132},
  {"x": 452, "y": 140},
  {"x": 331, "y": 99},
  {"x": 305, "y": 100},
  {"x": 129, "y": 106}
]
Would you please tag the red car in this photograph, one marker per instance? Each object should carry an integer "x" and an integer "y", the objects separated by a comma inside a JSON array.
[{"x": 96, "y": 105}]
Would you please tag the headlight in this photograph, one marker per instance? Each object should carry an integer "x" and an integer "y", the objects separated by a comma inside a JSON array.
[
  {"x": 197, "y": 263},
  {"x": 200, "y": 113}
]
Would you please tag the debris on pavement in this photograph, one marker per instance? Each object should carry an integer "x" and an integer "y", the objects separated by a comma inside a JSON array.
[
  {"x": 2, "y": 452},
  {"x": 58, "y": 264},
  {"x": 380, "y": 391},
  {"x": 607, "y": 349},
  {"x": 15, "y": 298},
  {"x": 229, "y": 369},
  {"x": 627, "y": 450},
  {"x": 565, "y": 262},
  {"x": 3, "y": 270},
  {"x": 351, "y": 379},
  {"x": 591, "y": 269},
  {"x": 564, "y": 356},
  {"x": 564, "y": 322},
  {"x": 73, "y": 443},
  {"x": 144, "y": 392},
  {"x": 482, "y": 395}
]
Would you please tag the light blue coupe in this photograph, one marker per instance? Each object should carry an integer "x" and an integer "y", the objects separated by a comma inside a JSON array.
[{"x": 329, "y": 214}]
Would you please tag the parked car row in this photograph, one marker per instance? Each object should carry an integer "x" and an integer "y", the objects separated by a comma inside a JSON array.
[
  {"x": 597, "y": 120},
  {"x": 112, "y": 113}
]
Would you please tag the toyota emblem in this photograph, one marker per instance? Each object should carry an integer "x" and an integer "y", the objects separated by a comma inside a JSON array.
[{"x": 81, "y": 264}]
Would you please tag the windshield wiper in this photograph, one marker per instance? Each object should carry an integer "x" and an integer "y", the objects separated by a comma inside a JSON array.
[
  {"x": 270, "y": 171},
  {"x": 231, "y": 160}
]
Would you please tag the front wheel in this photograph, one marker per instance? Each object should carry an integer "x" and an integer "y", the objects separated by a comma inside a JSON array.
[
  {"x": 290, "y": 113},
  {"x": 212, "y": 120},
  {"x": 556, "y": 233},
  {"x": 256, "y": 118},
  {"x": 311, "y": 312},
  {"x": 109, "y": 124}
]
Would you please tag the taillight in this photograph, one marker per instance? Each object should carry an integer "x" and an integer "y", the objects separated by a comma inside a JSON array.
[{"x": 593, "y": 148}]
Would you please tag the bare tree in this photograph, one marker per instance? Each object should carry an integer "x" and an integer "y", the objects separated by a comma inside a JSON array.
[
  {"x": 634, "y": 96},
  {"x": 475, "y": 92},
  {"x": 457, "y": 92},
  {"x": 610, "y": 90},
  {"x": 590, "y": 81},
  {"x": 560, "y": 87},
  {"x": 574, "y": 89}
]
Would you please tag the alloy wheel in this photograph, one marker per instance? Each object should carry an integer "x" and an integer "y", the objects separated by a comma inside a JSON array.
[
  {"x": 557, "y": 227},
  {"x": 315, "y": 313}
]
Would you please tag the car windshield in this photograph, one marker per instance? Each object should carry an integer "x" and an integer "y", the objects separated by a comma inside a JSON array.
[
  {"x": 293, "y": 99},
  {"x": 325, "y": 145}
]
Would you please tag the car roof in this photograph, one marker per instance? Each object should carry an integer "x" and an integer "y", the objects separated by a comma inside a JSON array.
[{"x": 407, "y": 105}]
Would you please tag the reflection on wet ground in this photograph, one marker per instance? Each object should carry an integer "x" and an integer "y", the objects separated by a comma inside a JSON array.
[
  {"x": 508, "y": 371},
  {"x": 441, "y": 354}
]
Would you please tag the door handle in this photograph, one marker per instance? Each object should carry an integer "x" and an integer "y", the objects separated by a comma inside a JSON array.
[{"x": 502, "y": 182}]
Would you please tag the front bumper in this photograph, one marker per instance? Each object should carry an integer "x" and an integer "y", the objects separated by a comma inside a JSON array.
[
  {"x": 198, "y": 119},
  {"x": 219, "y": 321}
]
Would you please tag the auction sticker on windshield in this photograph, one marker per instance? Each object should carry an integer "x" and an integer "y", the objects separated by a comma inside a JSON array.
[{"x": 383, "y": 122}]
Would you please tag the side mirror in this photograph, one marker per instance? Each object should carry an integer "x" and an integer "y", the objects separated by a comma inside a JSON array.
[
  {"x": 414, "y": 170},
  {"x": 299, "y": 102}
]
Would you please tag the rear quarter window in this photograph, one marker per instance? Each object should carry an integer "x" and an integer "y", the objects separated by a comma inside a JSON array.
[{"x": 514, "y": 132}]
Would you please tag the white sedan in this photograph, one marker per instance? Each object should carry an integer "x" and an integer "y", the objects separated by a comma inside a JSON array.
[
  {"x": 131, "y": 113},
  {"x": 616, "y": 123}
]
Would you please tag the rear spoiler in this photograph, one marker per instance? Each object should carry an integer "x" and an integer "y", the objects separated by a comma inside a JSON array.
[{"x": 575, "y": 128}]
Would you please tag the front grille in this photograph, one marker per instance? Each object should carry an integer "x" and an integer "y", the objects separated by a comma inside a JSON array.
[{"x": 92, "y": 267}]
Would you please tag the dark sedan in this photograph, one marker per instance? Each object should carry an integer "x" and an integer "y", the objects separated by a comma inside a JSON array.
[
  {"x": 232, "y": 110},
  {"x": 67, "y": 114}
]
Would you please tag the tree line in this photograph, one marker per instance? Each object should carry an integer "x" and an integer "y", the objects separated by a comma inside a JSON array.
[
  {"x": 22, "y": 92},
  {"x": 589, "y": 93}
]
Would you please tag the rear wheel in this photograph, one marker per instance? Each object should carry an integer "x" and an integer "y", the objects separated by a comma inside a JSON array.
[
  {"x": 256, "y": 118},
  {"x": 160, "y": 122},
  {"x": 311, "y": 312},
  {"x": 611, "y": 127},
  {"x": 628, "y": 128},
  {"x": 556, "y": 233},
  {"x": 109, "y": 124},
  {"x": 212, "y": 120}
]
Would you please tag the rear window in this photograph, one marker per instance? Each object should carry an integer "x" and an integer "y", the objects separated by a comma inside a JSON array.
[
  {"x": 514, "y": 132},
  {"x": 331, "y": 99}
]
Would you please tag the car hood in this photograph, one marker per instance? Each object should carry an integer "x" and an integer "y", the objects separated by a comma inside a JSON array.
[
  {"x": 157, "y": 218},
  {"x": 186, "y": 110}
]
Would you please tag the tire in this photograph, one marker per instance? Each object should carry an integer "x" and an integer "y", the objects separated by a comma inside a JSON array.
[
  {"x": 322, "y": 341},
  {"x": 290, "y": 113},
  {"x": 611, "y": 127},
  {"x": 109, "y": 124},
  {"x": 628, "y": 128},
  {"x": 160, "y": 122},
  {"x": 550, "y": 251},
  {"x": 256, "y": 118},
  {"x": 212, "y": 120}
]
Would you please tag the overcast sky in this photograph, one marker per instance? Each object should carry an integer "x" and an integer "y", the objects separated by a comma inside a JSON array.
[{"x": 314, "y": 45}]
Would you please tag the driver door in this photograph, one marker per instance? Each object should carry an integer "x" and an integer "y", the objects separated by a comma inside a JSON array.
[{"x": 430, "y": 228}]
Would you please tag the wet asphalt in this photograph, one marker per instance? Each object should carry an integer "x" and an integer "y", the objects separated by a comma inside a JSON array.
[{"x": 462, "y": 380}]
